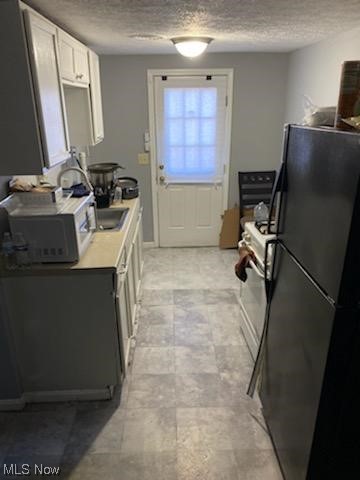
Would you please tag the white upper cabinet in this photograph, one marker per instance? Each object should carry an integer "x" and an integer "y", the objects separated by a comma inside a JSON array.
[
  {"x": 42, "y": 68},
  {"x": 48, "y": 89},
  {"x": 95, "y": 94},
  {"x": 74, "y": 65}
]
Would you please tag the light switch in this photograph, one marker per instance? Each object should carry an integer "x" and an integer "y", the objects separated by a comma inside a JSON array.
[{"x": 143, "y": 158}]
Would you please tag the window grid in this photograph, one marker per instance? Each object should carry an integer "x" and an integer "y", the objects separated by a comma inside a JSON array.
[{"x": 190, "y": 136}]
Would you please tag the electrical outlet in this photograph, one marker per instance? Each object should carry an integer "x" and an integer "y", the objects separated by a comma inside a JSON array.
[{"x": 143, "y": 158}]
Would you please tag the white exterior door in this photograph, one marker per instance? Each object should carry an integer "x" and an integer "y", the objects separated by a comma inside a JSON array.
[{"x": 191, "y": 157}]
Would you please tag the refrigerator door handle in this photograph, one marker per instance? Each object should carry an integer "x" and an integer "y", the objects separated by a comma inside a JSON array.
[
  {"x": 261, "y": 351},
  {"x": 267, "y": 280},
  {"x": 276, "y": 188},
  {"x": 279, "y": 184}
]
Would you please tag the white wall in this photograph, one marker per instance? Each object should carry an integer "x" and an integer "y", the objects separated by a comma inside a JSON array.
[
  {"x": 258, "y": 113},
  {"x": 315, "y": 71}
]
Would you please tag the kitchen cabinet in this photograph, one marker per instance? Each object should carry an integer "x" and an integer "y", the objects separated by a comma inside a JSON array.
[
  {"x": 65, "y": 332},
  {"x": 79, "y": 66},
  {"x": 36, "y": 126},
  {"x": 49, "y": 95},
  {"x": 33, "y": 129},
  {"x": 134, "y": 263},
  {"x": 137, "y": 259},
  {"x": 130, "y": 290},
  {"x": 72, "y": 324},
  {"x": 122, "y": 312},
  {"x": 74, "y": 64},
  {"x": 95, "y": 94}
]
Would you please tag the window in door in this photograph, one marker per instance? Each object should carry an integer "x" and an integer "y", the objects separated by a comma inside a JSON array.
[{"x": 190, "y": 126}]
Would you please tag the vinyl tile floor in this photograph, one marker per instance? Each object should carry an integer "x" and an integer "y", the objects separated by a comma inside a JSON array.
[{"x": 182, "y": 413}]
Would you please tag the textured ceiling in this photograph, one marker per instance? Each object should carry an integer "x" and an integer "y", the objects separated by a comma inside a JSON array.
[{"x": 112, "y": 26}]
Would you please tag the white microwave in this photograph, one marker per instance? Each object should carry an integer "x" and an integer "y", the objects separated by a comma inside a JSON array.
[{"x": 56, "y": 234}]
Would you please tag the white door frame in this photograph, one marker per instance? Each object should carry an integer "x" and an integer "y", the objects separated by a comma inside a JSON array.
[{"x": 151, "y": 74}]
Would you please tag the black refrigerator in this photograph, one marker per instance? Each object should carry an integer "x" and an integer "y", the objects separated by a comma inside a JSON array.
[{"x": 310, "y": 383}]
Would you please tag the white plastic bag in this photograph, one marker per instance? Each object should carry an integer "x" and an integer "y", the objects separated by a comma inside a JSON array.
[{"x": 318, "y": 116}]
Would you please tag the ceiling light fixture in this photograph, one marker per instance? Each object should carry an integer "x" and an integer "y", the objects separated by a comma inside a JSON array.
[{"x": 191, "y": 46}]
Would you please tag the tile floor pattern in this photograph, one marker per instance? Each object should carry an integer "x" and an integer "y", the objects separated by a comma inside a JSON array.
[{"x": 183, "y": 413}]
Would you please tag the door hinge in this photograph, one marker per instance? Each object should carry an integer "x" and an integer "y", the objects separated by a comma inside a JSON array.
[{"x": 226, "y": 100}]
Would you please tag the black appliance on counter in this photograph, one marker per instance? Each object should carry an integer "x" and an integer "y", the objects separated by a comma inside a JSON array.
[
  {"x": 310, "y": 386},
  {"x": 103, "y": 179},
  {"x": 129, "y": 187}
]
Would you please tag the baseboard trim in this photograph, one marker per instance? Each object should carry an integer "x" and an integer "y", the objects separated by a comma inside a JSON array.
[
  {"x": 12, "y": 404},
  {"x": 56, "y": 396},
  {"x": 148, "y": 244}
]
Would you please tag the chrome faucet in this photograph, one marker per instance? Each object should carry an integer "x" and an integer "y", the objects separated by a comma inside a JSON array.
[{"x": 79, "y": 170}]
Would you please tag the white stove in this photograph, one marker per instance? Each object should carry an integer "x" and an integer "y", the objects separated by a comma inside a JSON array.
[
  {"x": 252, "y": 292},
  {"x": 256, "y": 241}
]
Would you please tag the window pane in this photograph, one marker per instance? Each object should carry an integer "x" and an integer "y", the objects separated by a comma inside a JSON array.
[
  {"x": 208, "y": 132},
  {"x": 191, "y": 131},
  {"x": 175, "y": 132},
  {"x": 208, "y": 159},
  {"x": 173, "y": 102},
  {"x": 192, "y": 160},
  {"x": 175, "y": 156},
  {"x": 208, "y": 102},
  {"x": 192, "y": 102}
]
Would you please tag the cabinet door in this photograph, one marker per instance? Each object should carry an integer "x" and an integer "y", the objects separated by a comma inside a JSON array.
[
  {"x": 130, "y": 291},
  {"x": 96, "y": 102},
  {"x": 136, "y": 262},
  {"x": 74, "y": 63},
  {"x": 48, "y": 88},
  {"x": 81, "y": 64},
  {"x": 140, "y": 243},
  {"x": 123, "y": 321},
  {"x": 67, "y": 57}
]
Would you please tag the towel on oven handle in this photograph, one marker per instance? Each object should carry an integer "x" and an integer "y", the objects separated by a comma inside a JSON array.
[{"x": 245, "y": 255}]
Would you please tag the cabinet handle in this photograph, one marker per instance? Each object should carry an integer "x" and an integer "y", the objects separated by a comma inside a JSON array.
[{"x": 122, "y": 269}]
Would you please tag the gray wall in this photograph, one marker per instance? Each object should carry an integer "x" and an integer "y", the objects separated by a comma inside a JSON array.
[
  {"x": 258, "y": 113},
  {"x": 315, "y": 71}
]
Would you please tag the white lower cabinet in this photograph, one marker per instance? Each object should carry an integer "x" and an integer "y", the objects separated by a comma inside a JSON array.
[
  {"x": 130, "y": 290},
  {"x": 65, "y": 332},
  {"x": 135, "y": 263},
  {"x": 137, "y": 255},
  {"x": 72, "y": 329},
  {"x": 122, "y": 312}
]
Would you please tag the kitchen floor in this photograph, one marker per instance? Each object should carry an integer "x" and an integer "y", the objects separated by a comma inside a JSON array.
[{"x": 183, "y": 413}]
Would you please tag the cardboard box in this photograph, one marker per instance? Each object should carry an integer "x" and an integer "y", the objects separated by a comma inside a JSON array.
[{"x": 229, "y": 235}]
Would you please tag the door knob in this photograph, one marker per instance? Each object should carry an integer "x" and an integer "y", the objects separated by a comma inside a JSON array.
[
  {"x": 161, "y": 167},
  {"x": 162, "y": 179}
]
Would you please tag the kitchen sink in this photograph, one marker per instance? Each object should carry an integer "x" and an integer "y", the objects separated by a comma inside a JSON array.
[{"x": 111, "y": 218}]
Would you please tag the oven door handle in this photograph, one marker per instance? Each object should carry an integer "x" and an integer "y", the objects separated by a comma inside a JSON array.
[{"x": 256, "y": 269}]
